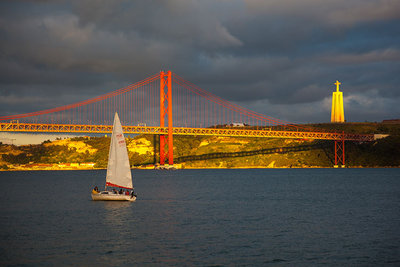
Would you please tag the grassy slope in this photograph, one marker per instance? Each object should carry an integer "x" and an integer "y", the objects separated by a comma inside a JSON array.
[{"x": 383, "y": 152}]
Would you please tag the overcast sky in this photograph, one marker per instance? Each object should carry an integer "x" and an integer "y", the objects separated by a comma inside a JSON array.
[{"x": 277, "y": 57}]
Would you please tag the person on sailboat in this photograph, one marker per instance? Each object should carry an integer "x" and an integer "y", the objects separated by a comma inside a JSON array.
[{"x": 95, "y": 190}]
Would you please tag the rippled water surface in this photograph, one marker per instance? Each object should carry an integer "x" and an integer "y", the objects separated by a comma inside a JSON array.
[{"x": 261, "y": 217}]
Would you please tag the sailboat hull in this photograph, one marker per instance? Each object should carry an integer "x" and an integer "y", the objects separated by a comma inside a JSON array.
[{"x": 109, "y": 196}]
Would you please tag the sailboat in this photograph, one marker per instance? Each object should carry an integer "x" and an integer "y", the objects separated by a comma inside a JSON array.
[{"x": 118, "y": 169}]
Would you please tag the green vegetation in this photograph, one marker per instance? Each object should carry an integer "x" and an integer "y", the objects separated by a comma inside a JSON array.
[
  {"x": 360, "y": 127},
  {"x": 383, "y": 152},
  {"x": 219, "y": 152}
]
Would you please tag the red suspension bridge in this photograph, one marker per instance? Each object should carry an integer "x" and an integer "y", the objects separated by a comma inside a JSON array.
[{"x": 165, "y": 104}]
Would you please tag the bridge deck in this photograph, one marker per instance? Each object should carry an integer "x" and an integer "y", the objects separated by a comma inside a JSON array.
[{"x": 70, "y": 128}]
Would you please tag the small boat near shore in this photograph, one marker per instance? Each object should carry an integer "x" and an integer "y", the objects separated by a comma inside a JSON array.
[
  {"x": 119, "y": 176},
  {"x": 164, "y": 167}
]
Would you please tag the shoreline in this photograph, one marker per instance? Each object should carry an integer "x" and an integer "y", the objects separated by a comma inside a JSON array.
[{"x": 198, "y": 168}]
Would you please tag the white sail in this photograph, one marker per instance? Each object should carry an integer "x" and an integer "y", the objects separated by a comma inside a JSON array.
[{"x": 118, "y": 169}]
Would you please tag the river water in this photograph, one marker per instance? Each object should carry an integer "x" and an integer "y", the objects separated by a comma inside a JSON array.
[{"x": 251, "y": 217}]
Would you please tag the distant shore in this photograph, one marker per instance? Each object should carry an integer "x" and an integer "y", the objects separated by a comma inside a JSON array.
[
  {"x": 79, "y": 168},
  {"x": 212, "y": 152}
]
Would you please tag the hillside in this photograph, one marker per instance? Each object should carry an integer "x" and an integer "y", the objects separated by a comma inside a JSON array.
[{"x": 211, "y": 151}]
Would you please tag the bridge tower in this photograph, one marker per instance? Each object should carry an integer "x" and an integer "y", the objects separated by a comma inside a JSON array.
[
  {"x": 339, "y": 153},
  {"x": 166, "y": 110}
]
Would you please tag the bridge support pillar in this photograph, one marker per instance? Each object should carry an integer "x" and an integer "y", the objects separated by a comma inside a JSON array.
[
  {"x": 339, "y": 153},
  {"x": 166, "y": 109}
]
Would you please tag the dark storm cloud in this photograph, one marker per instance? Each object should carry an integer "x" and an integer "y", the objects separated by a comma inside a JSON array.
[{"x": 280, "y": 58}]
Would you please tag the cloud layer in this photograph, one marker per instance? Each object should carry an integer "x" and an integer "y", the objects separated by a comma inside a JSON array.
[{"x": 279, "y": 58}]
